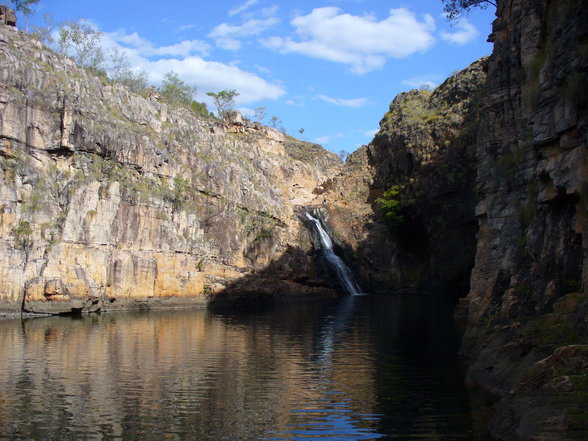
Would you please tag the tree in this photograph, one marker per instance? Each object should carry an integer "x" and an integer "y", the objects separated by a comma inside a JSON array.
[
  {"x": 390, "y": 204},
  {"x": 455, "y": 8},
  {"x": 44, "y": 33},
  {"x": 175, "y": 91},
  {"x": 260, "y": 114},
  {"x": 201, "y": 109},
  {"x": 24, "y": 6},
  {"x": 135, "y": 81},
  {"x": 223, "y": 101},
  {"x": 120, "y": 71},
  {"x": 82, "y": 42},
  {"x": 275, "y": 121}
]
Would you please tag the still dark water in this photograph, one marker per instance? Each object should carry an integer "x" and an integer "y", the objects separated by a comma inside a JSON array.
[{"x": 358, "y": 368}]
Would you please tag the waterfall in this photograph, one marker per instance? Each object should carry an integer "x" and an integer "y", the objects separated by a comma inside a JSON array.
[{"x": 343, "y": 272}]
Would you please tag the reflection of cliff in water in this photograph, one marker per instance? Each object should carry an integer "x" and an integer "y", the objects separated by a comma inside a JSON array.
[
  {"x": 134, "y": 375},
  {"x": 369, "y": 365}
]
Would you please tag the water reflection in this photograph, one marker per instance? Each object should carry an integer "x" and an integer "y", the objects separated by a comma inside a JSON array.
[
  {"x": 359, "y": 368},
  {"x": 330, "y": 415}
]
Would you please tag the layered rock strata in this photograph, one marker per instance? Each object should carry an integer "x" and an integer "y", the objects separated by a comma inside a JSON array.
[
  {"x": 426, "y": 147},
  {"x": 528, "y": 287},
  {"x": 108, "y": 198}
]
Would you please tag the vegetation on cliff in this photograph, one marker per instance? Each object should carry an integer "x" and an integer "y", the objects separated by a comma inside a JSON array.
[
  {"x": 112, "y": 199},
  {"x": 528, "y": 306},
  {"x": 456, "y": 8},
  {"x": 391, "y": 207},
  {"x": 425, "y": 151},
  {"x": 107, "y": 193}
]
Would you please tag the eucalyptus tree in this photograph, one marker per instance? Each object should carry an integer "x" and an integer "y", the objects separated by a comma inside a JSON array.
[
  {"x": 82, "y": 42},
  {"x": 120, "y": 71},
  {"x": 25, "y": 7},
  {"x": 455, "y": 8},
  {"x": 175, "y": 91},
  {"x": 223, "y": 100},
  {"x": 260, "y": 114}
]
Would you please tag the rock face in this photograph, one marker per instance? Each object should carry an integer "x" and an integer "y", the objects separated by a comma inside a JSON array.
[
  {"x": 528, "y": 287},
  {"x": 109, "y": 199},
  {"x": 508, "y": 153},
  {"x": 7, "y": 16},
  {"x": 425, "y": 146}
]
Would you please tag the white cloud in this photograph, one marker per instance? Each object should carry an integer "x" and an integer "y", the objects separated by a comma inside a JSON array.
[
  {"x": 466, "y": 32},
  {"x": 214, "y": 76},
  {"x": 355, "y": 102},
  {"x": 371, "y": 133},
  {"x": 238, "y": 9},
  {"x": 322, "y": 140},
  {"x": 227, "y": 36},
  {"x": 247, "y": 112},
  {"x": 135, "y": 42},
  {"x": 262, "y": 69},
  {"x": 362, "y": 42},
  {"x": 429, "y": 81},
  {"x": 295, "y": 101},
  {"x": 185, "y": 27},
  {"x": 183, "y": 58}
]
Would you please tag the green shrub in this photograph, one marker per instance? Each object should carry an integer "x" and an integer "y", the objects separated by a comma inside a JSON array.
[
  {"x": 223, "y": 100},
  {"x": 550, "y": 330},
  {"x": 179, "y": 193},
  {"x": 430, "y": 115},
  {"x": 201, "y": 109},
  {"x": 391, "y": 206},
  {"x": 578, "y": 417},
  {"x": 175, "y": 91},
  {"x": 22, "y": 235}
]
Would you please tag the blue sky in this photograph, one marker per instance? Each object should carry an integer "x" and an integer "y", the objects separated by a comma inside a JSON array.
[{"x": 330, "y": 67}]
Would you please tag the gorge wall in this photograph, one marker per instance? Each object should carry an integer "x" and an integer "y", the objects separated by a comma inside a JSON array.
[
  {"x": 109, "y": 199},
  {"x": 426, "y": 148},
  {"x": 492, "y": 172},
  {"x": 528, "y": 287}
]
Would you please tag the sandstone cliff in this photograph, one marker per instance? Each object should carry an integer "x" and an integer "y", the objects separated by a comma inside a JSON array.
[
  {"x": 528, "y": 287},
  {"x": 110, "y": 199},
  {"x": 425, "y": 146}
]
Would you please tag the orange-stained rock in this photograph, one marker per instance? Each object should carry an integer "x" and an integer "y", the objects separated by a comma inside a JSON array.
[{"x": 110, "y": 199}]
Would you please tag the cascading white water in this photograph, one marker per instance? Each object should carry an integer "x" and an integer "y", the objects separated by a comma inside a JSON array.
[{"x": 343, "y": 272}]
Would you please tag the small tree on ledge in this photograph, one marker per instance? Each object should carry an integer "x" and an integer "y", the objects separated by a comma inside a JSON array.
[
  {"x": 223, "y": 100},
  {"x": 24, "y": 6},
  {"x": 455, "y": 8},
  {"x": 175, "y": 91},
  {"x": 390, "y": 204},
  {"x": 81, "y": 41}
]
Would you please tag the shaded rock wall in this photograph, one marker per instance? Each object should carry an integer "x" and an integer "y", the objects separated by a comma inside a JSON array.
[
  {"x": 426, "y": 147},
  {"x": 528, "y": 287},
  {"x": 109, "y": 199},
  {"x": 508, "y": 153}
]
